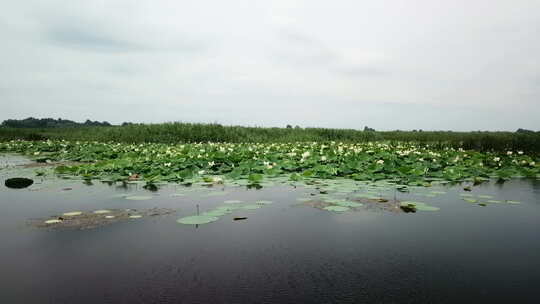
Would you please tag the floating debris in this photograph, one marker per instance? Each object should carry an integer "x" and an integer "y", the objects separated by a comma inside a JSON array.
[
  {"x": 419, "y": 206},
  {"x": 18, "y": 182},
  {"x": 408, "y": 208},
  {"x": 239, "y": 218},
  {"x": 89, "y": 220}
]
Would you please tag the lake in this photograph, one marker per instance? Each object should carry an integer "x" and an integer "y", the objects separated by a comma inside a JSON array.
[{"x": 289, "y": 251}]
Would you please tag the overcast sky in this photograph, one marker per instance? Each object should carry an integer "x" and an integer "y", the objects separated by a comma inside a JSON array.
[{"x": 424, "y": 64}]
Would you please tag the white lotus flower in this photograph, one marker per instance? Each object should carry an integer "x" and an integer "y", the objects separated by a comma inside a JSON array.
[
  {"x": 496, "y": 159},
  {"x": 380, "y": 162},
  {"x": 509, "y": 153}
]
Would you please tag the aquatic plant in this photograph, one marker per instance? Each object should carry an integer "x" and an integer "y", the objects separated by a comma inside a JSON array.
[
  {"x": 197, "y": 219},
  {"x": 250, "y": 163}
]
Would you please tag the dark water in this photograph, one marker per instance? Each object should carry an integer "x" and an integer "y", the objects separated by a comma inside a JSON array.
[{"x": 283, "y": 253}]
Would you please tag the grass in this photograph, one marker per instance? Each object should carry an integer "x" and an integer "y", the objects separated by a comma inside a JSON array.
[{"x": 173, "y": 133}]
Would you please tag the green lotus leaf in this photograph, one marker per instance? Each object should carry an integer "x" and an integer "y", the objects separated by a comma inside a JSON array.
[
  {"x": 251, "y": 207},
  {"x": 349, "y": 204},
  {"x": 73, "y": 213},
  {"x": 336, "y": 208},
  {"x": 103, "y": 211},
  {"x": 138, "y": 197},
  {"x": 197, "y": 219}
]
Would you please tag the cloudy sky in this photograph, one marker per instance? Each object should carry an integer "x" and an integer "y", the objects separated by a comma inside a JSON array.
[{"x": 410, "y": 64}]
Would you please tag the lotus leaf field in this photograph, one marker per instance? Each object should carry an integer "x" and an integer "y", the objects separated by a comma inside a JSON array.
[{"x": 405, "y": 163}]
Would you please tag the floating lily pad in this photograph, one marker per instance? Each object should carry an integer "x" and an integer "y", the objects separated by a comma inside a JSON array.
[
  {"x": 216, "y": 212},
  {"x": 109, "y": 216},
  {"x": 513, "y": 202},
  {"x": 102, "y": 211},
  {"x": 263, "y": 202},
  {"x": 135, "y": 216},
  {"x": 197, "y": 219},
  {"x": 74, "y": 213},
  {"x": 220, "y": 193},
  {"x": 138, "y": 197},
  {"x": 336, "y": 208},
  {"x": 494, "y": 202},
  {"x": 485, "y": 196},
  {"x": 470, "y": 200},
  {"x": 427, "y": 208},
  {"x": 250, "y": 207},
  {"x": 232, "y": 202},
  {"x": 438, "y": 192},
  {"x": 466, "y": 195},
  {"x": 53, "y": 221},
  {"x": 349, "y": 204}
]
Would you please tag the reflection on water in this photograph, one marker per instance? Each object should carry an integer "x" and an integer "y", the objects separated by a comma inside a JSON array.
[{"x": 286, "y": 252}]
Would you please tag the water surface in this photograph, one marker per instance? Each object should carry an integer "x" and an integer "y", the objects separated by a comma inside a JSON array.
[{"x": 285, "y": 252}]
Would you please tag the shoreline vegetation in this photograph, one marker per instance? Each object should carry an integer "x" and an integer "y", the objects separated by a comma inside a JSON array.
[
  {"x": 177, "y": 132},
  {"x": 182, "y": 152}
]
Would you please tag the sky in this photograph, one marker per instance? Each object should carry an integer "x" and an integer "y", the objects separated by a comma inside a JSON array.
[{"x": 411, "y": 64}]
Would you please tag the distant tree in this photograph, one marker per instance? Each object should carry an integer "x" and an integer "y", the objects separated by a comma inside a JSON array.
[
  {"x": 289, "y": 127},
  {"x": 32, "y": 122},
  {"x": 297, "y": 127},
  {"x": 368, "y": 129},
  {"x": 520, "y": 130}
]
